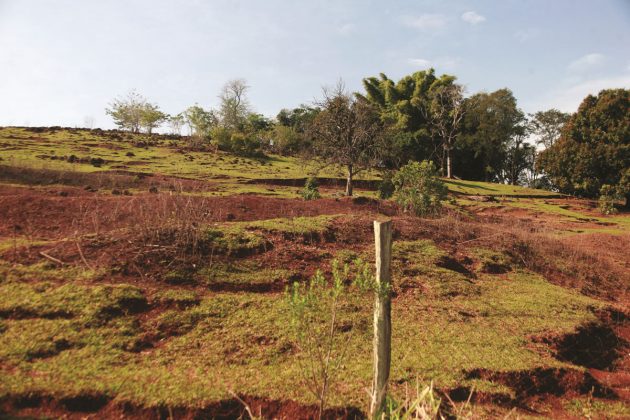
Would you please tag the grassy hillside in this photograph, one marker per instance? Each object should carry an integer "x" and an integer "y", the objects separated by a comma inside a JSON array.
[{"x": 153, "y": 285}]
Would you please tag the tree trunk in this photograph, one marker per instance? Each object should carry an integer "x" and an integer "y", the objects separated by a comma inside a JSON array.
[
  {"x": 449, "y": 173},
  {"x": 349, "y": 181},
  {"x": 627, "y": 206}
]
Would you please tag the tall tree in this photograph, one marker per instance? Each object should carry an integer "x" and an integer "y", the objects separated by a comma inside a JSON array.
[
  {"x": 490, "y": 122},
  {"x": 445, "y": 113},
  {"x": 234, "y": 107},
  {"x": 176, "y": 122},
  {"x": 199, "y": 120},
  {"x": 151, "y": 117},
  {"x": 402, "y": 106},
  {"x": 127, "y": 111},
  {"x": 547, "y": 126},
  {"x": 347, "y": 132},
  {"x": 594, "y": 147},
  {"x": 519, "y": 156}
]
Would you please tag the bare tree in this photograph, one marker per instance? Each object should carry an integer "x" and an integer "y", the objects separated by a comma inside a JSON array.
[
  {"x": 347, "y": 132},
  {"x": 234, "y": 104},
  {"x": 445, "y": 112},
  {"x": 88, "y": 122}
]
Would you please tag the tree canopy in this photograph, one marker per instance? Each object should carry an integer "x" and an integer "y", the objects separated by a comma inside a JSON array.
[
  {"x": 594, "y": 147},
  {"x": 347, "y": 132}
]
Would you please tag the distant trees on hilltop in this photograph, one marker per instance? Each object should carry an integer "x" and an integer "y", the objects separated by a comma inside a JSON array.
[{"x": 422, "y": 116}]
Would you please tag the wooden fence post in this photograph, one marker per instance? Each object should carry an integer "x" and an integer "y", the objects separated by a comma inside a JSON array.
[{"x": 382, "y": 317}]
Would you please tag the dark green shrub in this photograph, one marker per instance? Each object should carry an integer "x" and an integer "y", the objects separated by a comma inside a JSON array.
[
  {"x": 418, "y": 189},
  {"x": 311, "y": 189},
  {"x": 607, "y": 197},
  {"x": 386, "y": 186}
]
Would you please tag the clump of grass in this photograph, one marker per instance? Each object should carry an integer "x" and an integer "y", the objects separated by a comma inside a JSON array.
[
  {"x": 424, "y": 405},
  {"x": 243, "y": 273},
  {"x": 416, "y": 265},
  {"x": 178, "y": 322},
  {"x": 233, "y": 239},
  {"x": 46, "y": 271},
  {"x": 297, "y": 226},
  {"x": 177, "y": 297},
  {"x": 493, "y": 262}
]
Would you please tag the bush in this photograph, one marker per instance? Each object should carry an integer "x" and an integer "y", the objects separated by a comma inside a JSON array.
[
  {"x": 311, "y": 189},
  {"x": 245, "y": 144},
  {"x": 607, "y": 197},
  {"x": 419, "y": 189},
  {"x": 286, "y": 140},
  {"x": 386, "y": 186},
  {"x": 242, "y": 144},
  {"x": 317, "y": 315}
]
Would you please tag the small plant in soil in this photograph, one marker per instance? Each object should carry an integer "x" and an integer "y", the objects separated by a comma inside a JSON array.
[{"x": 318, "y": 324}]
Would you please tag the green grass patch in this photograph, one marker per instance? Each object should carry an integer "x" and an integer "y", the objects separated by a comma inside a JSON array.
[
  {"x": 491, "y": 189},
  {"x": 241, "y": 274},
  {"x": 242, "y": 342},
  {"x": 233, "y": 239},
  {"x": 46, "y": 271},
  {"x": 589, "y": 408},
  {"x": 91, "y": 304},
  {"x": 176, "y": 297},
  {"x": 304, "y": 226}
]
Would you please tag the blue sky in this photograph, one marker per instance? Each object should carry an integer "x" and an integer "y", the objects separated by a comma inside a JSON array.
[{"x": 62, "y": 61}]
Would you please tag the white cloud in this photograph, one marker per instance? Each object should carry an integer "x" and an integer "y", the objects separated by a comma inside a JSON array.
[
  {"x": 347, "y": 28},
  {"x": 527, "y": 34},
  {"x": 569, "y": 98},
  {"x": 440, "y": 63},
  {"x": 473, "y": 18},
  {"x": 425, "y": 22},
  {"x": 586, "y": 62},
  {"x": 420, "y": 62}
]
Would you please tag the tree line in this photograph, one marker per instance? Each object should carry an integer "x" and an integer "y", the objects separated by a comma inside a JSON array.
[{"x": 422, "y": 116}]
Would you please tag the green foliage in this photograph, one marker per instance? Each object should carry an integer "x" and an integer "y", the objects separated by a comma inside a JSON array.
[
  {"x": 286, "y": 140},
  {"x": 547, "y": 126},
  {"x": 232, "y": 239},
  {"x": 594, "y": 148},
  {"x": 200, "y": 121},
  {"x": 316, "y": 318},
  {"x": 608, "y": 195},
  {"x": 237, "y": 142},
  {"x": 134, "y": 111},
  {"x": 244, "y": 144},
  {"x": 347, "y": 132},
  {"x": 386, "y": 186},
  {"x": 311, "y": 189},
  {"x": 490, "y": 122},
  {"x": 419, "y": 189}
]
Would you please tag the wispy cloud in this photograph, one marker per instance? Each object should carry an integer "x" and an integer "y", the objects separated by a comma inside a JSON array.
[
  {"x": 569, "y": 98},
  {"x": 425, "y": 21},
  {"x": 444, "y": 63},
  {"x": 473, "y": 18},
  {"x": 525, "y": 35},
  {"x": 420, "y": 62},
  {"x": 347, "y": 28},
  {"x": 586, "y": 62}
]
